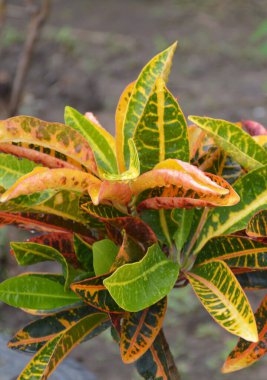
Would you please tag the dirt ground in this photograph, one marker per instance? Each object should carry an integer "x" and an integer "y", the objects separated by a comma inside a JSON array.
[{"x": 88, "y": 53}]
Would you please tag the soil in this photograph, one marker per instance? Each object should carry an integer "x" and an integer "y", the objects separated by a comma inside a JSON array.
[{"x": 88, "y": 52}]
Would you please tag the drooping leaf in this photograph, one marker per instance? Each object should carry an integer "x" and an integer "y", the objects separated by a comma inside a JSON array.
[
  {"x": 12, "y": 168},
  {"x": 162, "y": 131},
  {"x": 139, "y": 330},
  {"x": 159, "y": 66},
  {"x": 138, "y": 285},
  {"x": 104, "y": 254},
  {"x": 253, "y": 280},
  {"x": 222, "y": 296},
  {"x": 32, "y": 253},
  {"x": 100, "y": 141},
  {"x": 56, "y": 136},
  {"x": 246, "y": 353},
  {"x": 55, "y": 350},
  {"x": 154, "y": 363},
  {"x": 84, "y": 253},
  {"x": 41, "y": 155},
  {"x": 257, "y": 226},
  {"x": 222, "y": 221},
  {"x": 43, "y": 178},
  {"x": 36, "y": 291},
  {"x": 236, "y": 251},
  {"x": 234, "y": 141},
  {"x": 34, "y": 335},
  {"x": 181, "y": 187},
  {"x": 93, "y": 292}
]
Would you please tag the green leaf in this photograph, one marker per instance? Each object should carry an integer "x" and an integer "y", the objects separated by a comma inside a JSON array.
[
  {"x": 139, "y": 330},
  {"x": 104, "y": 255},
  {"x": 252, "y": 190},
  {"x": 139, "y": 285},
  {"x": 101, "y": 142},
  {"x": 84, "y": 253},
  {"x": 36, "y": 291},
  {"x": 222, "y": 296},
  {"x": 236, "y": 251},
  {"x": 55, "y": 350},
  {"x": 37, "y": 333},
  {"x": 32, "y": 253},
  {"x": 159, "y": 66},
  {"x": 231, "y": 138},
  {"x": 12, "y": 168},
  {"x": 183, "y": 219},
  {"x": 245, "y": 353},
  {"x": 162, "y": 131}
]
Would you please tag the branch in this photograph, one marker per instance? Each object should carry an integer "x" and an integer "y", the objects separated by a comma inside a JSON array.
[
  {"x": 38, "y": 18},
  {"x": 173, "y": 371}
]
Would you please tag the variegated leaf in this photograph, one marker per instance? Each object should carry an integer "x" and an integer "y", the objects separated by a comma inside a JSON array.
[
  {"x": 93, "y": 292},
  {"x": 55, "y": 350},
  {"x": 257, "y": 226},
  {"x": 63, "y": 242},
  {"x": 162, "y": 131},
  {"x": 246, "y": 353},
  {"x": 119, "y": 119},
  {"x": 139, "y": 330},
  {"x": 37, "y": 333},
  {"x": 236, "y": 251},
  {"x": 154, "y": 364},
  {"x": 159, "y": 66},
  {"x": 222, "y": 221},
  {"x": 55, "y": 136},
  {"x": 222, "y": 296},
  {"x": 84, "y": 253},
  {"x": 237, "y": 143}
]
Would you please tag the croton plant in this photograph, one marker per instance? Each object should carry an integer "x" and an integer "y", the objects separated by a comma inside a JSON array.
[{"x": 161, "y": 206}]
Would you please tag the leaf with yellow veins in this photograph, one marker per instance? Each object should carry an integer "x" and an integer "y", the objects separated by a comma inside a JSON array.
[
  {"x": 159, "y": 66},
  {"x": 42, "y": 179},
  {"x": 55, "y": 136},
  {"x": 222, "y": 296},
  {"x": 246, "y": 353},
  {"x": 257, "y": 226},
  {"x": 237, "y": 143},
  {"x": 119, "y": 118},
  {"x": 162, "y": 131}
]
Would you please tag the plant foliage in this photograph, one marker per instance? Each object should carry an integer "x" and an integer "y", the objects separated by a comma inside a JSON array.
[{"x": 162, "y": 205}]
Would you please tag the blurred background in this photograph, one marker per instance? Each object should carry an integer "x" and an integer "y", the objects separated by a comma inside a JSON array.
[{"x": 83, "y": 53}]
